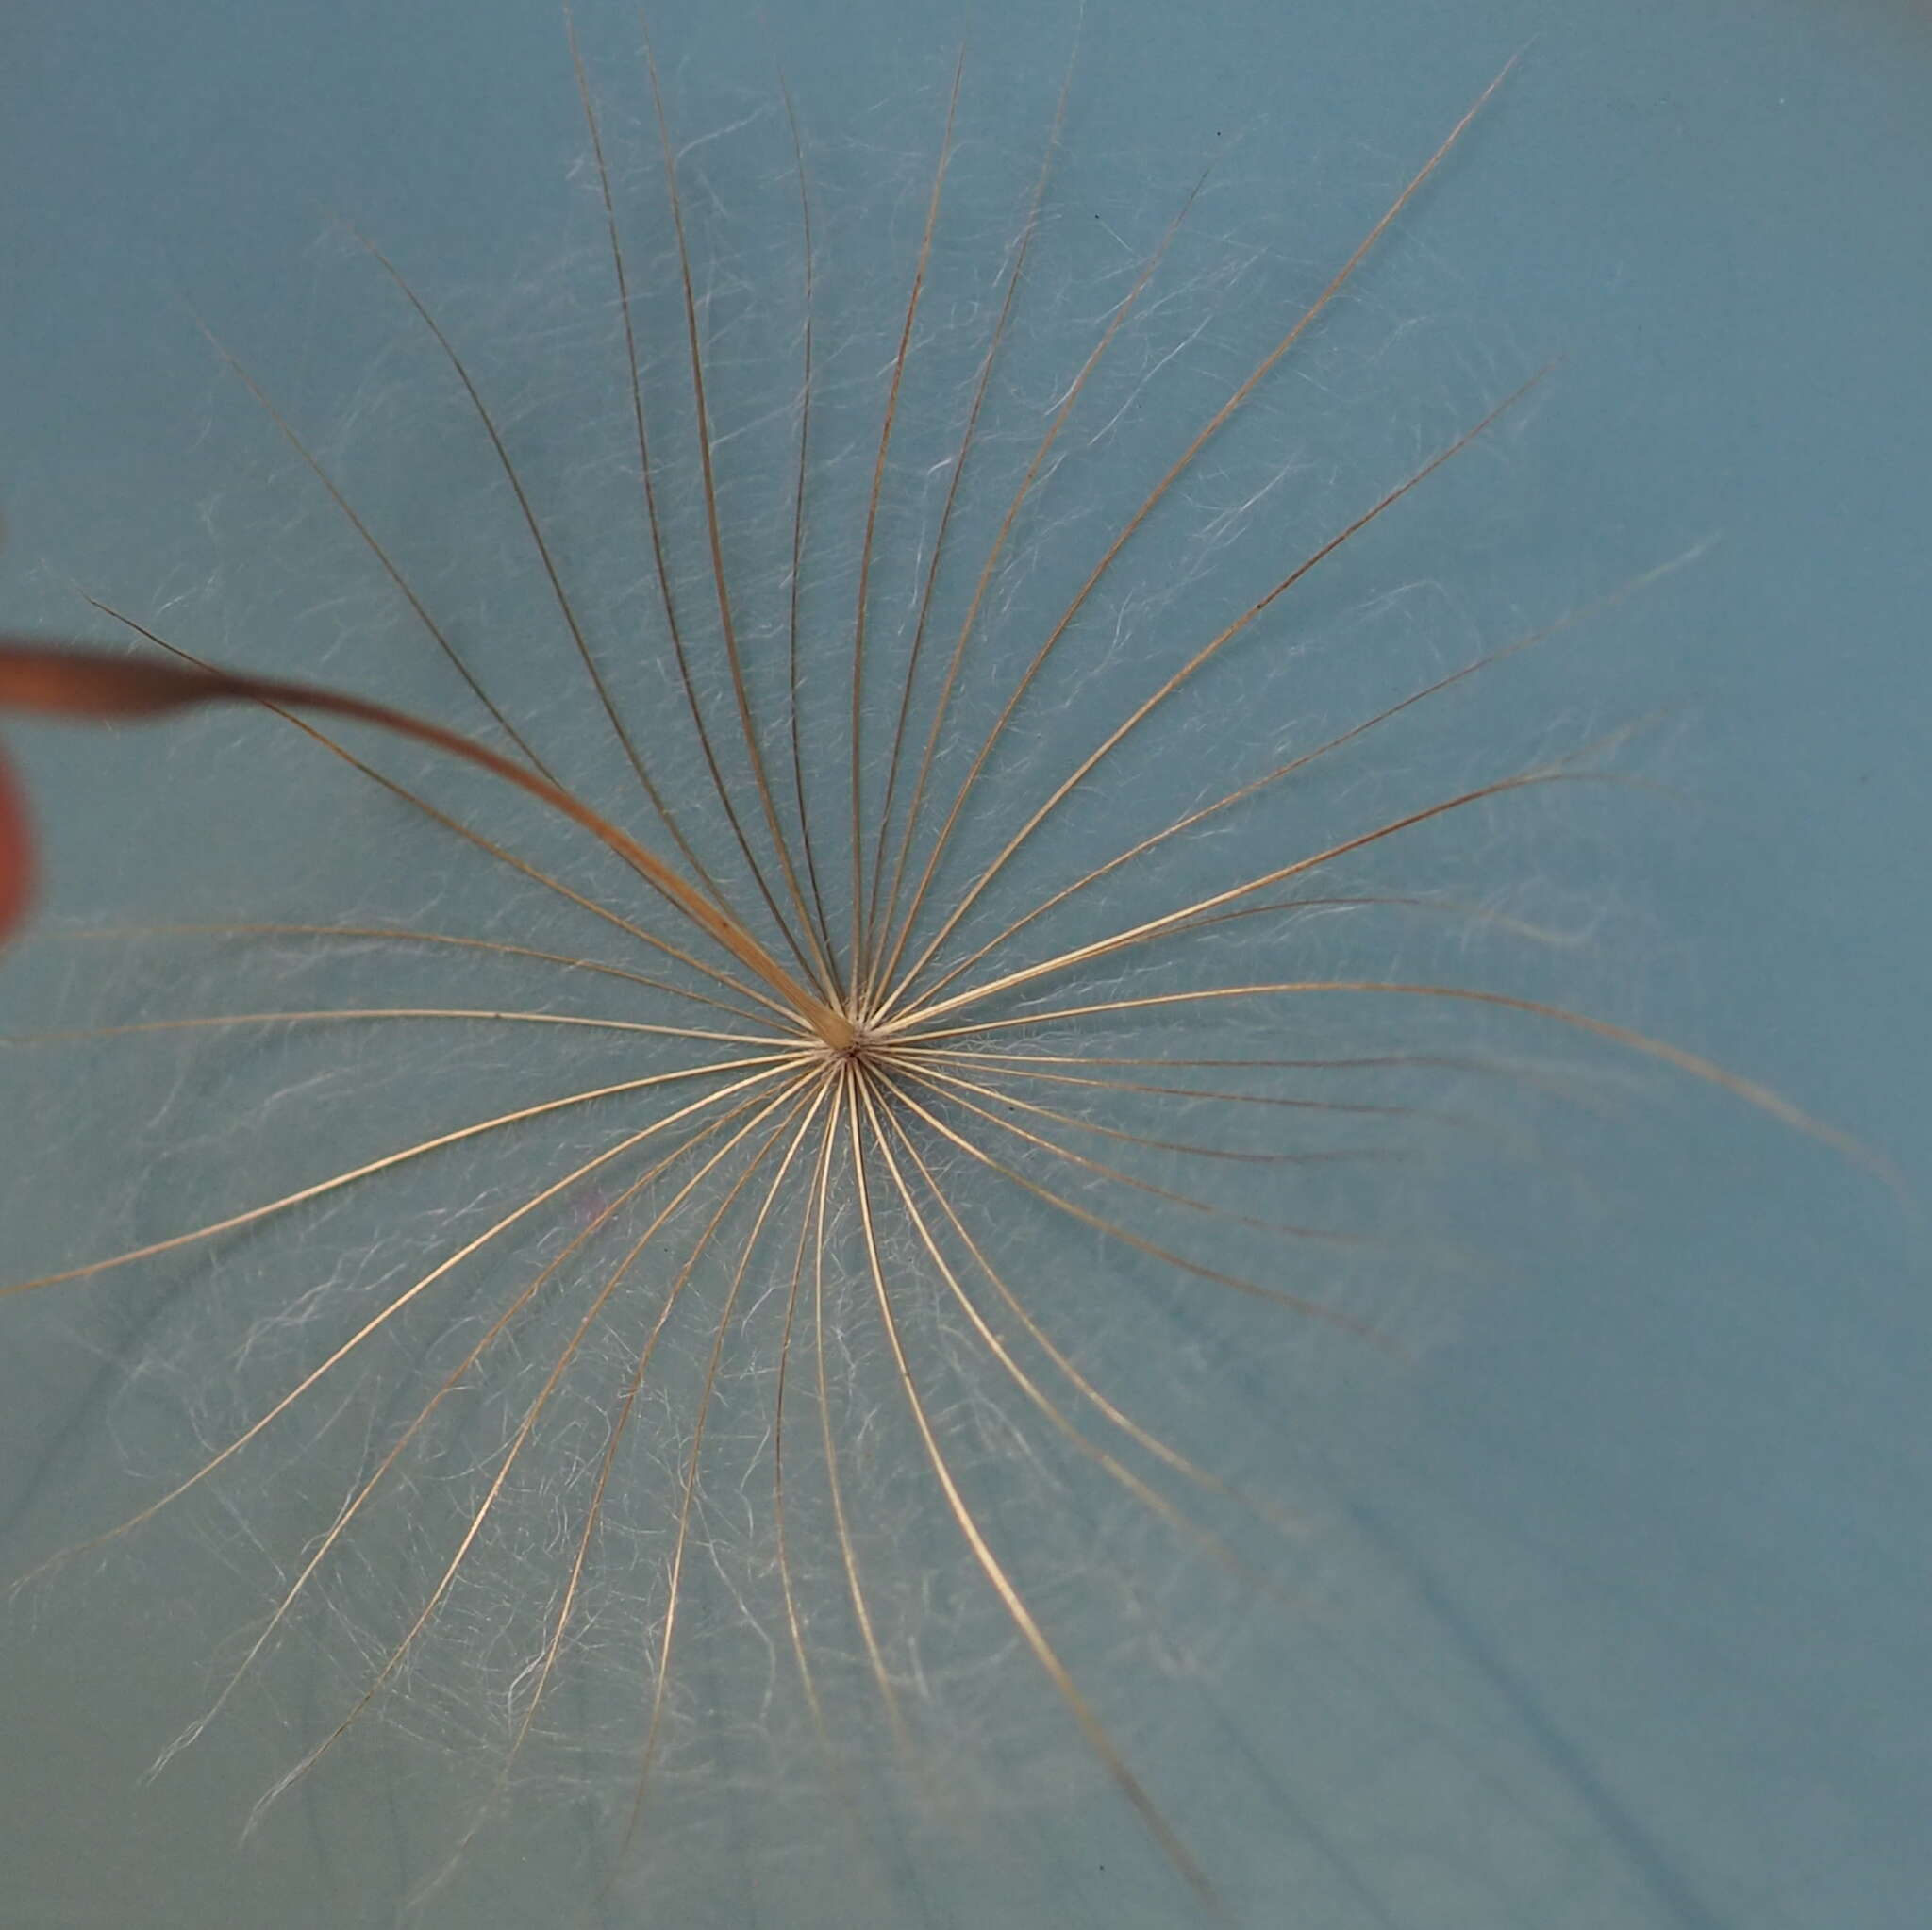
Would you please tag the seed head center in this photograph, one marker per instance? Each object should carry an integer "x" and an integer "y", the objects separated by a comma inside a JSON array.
[{"x": 847, "y": 1040}]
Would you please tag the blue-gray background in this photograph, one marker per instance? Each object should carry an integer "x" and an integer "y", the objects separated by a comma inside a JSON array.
[{"x": 1662, "y": 1522}]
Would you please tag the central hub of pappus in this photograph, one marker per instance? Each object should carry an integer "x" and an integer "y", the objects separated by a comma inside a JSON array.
[
  {"x": 855, "y": 1044},
  {"x": 847, "y": 1039}
]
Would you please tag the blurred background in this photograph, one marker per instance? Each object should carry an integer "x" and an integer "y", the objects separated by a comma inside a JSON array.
[{"x": 1626, "y": 1577}]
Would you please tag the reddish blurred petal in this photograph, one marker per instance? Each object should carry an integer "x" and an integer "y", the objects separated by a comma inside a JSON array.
[{"x": 16, "y": 852}]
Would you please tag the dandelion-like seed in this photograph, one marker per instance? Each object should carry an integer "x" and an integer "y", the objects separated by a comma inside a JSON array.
[{"x": 947, "y": 1074}]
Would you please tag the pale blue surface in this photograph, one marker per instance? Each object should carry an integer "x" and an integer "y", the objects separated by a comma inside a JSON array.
[{"x": 1640, "y": 1565}]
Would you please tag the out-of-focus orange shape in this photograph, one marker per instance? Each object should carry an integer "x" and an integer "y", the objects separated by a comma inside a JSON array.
[
  {"x": 39, "y": 679},
  {"x": 16, "y": 852}
]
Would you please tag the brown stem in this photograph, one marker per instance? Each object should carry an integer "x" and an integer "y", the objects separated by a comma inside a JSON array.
[{"x": 90, "y": 686}]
